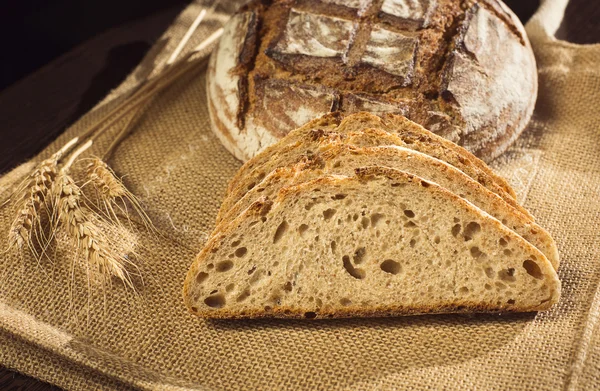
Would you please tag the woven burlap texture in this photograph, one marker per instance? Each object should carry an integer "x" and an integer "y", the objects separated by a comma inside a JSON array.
[{"x": 116, "y": 340}]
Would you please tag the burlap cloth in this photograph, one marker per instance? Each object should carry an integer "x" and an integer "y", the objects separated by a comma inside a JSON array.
[{"x": 54, "y": 328}]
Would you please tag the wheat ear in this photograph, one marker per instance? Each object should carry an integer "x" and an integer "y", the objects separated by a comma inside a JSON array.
[
  {"x": 111, "y": 189},
  {"x": 31, "y": 197},
  {"x": 92, "y": 245}
]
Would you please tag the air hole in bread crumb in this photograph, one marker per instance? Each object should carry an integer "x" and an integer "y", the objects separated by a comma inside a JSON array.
[
  {"x": 456, "y": 230},
  {"x": 276, "y": 263},
  {"x": 507, "y": 252},
  {"x": 338, "y": 197},
  {"x": 210, "y": 266},
  {"x": 333, "y": 245},
  {"x": 319, "y": 302},
  {"x": 511, "y": 301},
  {"x": 375, "y": 218},
  {"x": 396, "y": 184},
  {"x": 310, "y": 315},
  {"x": 470, "y": 230},
  {"x": 256, "y": 276},
  {"x": 251, "y": 185},
  {"x": 488, "y": 287},
  {"x": 268, "y": 308},
  {"x": 251, "y": 270},
  {"x": 281, "y": 230},
  {"x": 507, "y": 275},
  {"x": 502, "y": 242},
  {"x": 409, "y": 213},
  {"x": 359, "y": 255},
  {"x": 410, "y": 224},
  {"x": 345, "y": 301},
  {"x": 288, "y": 286},
  {"x": 223, "y": 266},
  {"x": 359, "y": 274},
  {"x": 201, "y": 277},
  {"x": 365, "y": 222},
  {"x": 412, "y": 243},
  {"x": 533, "y": 269},
  {"x": 252, "y": 224},
  {"x": 500, "y": 285},
  {"x": 240, "y": 252},
  {"x": 235, "y": 243},
  {"x": 328, "y": 214},
  {"x": 475, "y": 252},
  {"x": 229, "y": 287},
  {"x": 425, "y": 184},
  {"x": 216, "y": 301},
  {"x": 489, "y": 272},
  {"x": 302, "y": 228},
  {"x": 390, "y": 266},
  {"x": 263, "y": 219},
  {"x": 355, "y": 217},
  {"x": 276, "y": 299},
  {"x": 464, "y": 289}
]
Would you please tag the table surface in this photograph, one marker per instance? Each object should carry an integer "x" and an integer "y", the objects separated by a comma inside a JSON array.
[{"x": 35, "y": 110}]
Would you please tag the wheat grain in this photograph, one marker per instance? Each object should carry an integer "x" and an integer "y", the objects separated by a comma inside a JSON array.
[
  {"x": 91, "y": 244},
  {"x": 110, "y": 189},
  {"x": 31, "y": 196},
  {"x": 34, "y": 193}
]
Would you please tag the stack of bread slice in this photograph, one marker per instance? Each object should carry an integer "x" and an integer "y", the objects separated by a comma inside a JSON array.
[{"x": 368, "y": 215}]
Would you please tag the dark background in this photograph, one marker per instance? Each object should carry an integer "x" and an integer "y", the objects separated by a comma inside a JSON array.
[{"x": 59, "y": 58}]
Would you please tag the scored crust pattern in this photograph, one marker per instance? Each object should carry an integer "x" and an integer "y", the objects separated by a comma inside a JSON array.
[{"x": 463, "y": 69}]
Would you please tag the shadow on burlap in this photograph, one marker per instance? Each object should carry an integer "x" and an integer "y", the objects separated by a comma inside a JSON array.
[{"x": 56, "y": 329}]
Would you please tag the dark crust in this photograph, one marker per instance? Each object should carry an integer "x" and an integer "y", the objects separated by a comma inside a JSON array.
[
  {"x": 457, "y": 44},
  {"x": 282, "y": 312},
  {"x": 427, "y": 91},
  {"x": 245, "y": 60}
]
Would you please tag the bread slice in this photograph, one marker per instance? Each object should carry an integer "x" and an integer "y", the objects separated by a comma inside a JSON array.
[
  {"x": 342, "y": 159},
  {"x": 314, "y": 140},
  {"x": 410, "y": 135},
  {"x": 380, "y": 243},
  {"x": 413, "y": 132}
]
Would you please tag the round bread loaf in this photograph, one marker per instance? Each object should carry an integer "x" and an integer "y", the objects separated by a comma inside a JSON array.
[{"x": 464, "y": 69}]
